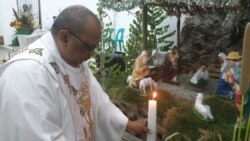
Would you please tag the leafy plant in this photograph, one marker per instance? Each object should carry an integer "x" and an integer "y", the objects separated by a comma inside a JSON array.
[
  {"x": 23, "y": 19},
  {"x": 103, "y": 55},
  {"x": 120, "y": 5},
  {"x": 157, "y": 34},
  {"x": 15, "y": 41}
]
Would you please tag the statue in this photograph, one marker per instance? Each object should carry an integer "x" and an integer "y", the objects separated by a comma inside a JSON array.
[
  {"x": 223, "y": 88},
  {"x": 200, "y": 78},
  {"x": 232, "y": 76},
  {"x": 170, "y": 67},
  {"x": 166, "y": 67},
  {"x": 140, "y": 69},
  {"x": 140, "y": 77}
]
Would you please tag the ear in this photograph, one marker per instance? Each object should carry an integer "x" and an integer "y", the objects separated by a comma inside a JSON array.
[{"x": 63, "y": 36}]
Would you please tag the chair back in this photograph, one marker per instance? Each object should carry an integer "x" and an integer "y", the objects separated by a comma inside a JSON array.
[{"x": 120, "y": 34}]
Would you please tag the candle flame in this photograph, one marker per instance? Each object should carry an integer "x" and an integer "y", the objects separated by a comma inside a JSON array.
[{"x": 154, "y": 95}]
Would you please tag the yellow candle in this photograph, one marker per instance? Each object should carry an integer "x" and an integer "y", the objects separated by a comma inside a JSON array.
[{"x": 152, "y": 124}]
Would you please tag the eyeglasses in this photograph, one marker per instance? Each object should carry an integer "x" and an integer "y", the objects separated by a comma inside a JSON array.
[{"x": 83, "y": 42}]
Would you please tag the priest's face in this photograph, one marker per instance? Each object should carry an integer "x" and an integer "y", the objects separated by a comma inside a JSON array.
[{"x": 80, "y": 48}]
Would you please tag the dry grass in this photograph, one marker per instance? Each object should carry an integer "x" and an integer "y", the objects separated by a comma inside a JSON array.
[{"x": 175, "y": 113}]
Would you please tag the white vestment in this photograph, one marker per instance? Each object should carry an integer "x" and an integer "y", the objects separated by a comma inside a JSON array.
[{"x": 42, "y": 98}]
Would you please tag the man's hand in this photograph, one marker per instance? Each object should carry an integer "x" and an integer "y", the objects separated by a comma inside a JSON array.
[{"x": 138, "y": 127}]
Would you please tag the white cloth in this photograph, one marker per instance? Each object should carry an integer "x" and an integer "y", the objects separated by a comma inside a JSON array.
[
  {"x": 198, "y": 75},
  {"x": 25, "y": 40},
  {"x": 44, "y": 98}
]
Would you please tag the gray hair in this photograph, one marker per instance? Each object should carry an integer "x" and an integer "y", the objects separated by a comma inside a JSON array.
[{"x": 73, "y": 18}]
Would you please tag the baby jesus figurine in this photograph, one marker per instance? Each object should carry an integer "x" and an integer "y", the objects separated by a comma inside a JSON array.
[{"x": 201, "y": 77}]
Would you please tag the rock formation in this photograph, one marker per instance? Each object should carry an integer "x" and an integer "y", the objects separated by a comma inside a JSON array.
[{"x": 204, "y": 36}]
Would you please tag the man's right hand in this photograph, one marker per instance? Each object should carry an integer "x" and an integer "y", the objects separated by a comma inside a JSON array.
[{"x": 138, "y": 127}]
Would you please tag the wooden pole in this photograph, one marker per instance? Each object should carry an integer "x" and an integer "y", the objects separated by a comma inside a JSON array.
[
  {"x": 17, "y": 5},
  {"x": 39, "y": 13},
  {"x": 178, "y": 28},
  {"x": 178, "y": 35},
  {"x": 144, "y": 25}
]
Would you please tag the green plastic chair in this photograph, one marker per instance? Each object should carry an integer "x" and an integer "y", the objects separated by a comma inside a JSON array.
[{"x": 118, "y": 41}]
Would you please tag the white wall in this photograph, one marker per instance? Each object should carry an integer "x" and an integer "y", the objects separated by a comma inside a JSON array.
[
  {"x": 50, "y": 8},
  {"x": 6, "y": 16},
  {"x": 172, "y": 22}
]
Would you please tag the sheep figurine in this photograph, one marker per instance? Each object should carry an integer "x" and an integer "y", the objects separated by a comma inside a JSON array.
[
  {"x": 203, "y": 109},
  {"x": 147, "y": 82},
  {"x": 144, "y": 83}
]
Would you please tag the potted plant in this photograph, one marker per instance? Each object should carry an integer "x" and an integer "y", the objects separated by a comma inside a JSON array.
[{"x": 24, "y": 21}]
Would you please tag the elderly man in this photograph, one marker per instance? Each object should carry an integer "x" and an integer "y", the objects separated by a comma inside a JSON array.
[
  {"x": 232, "y": 76},
  {"x": 47, "y": 91}
]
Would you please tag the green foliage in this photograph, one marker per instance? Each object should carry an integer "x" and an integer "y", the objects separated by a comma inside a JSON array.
[
  {"x": 176, "y": 136},
  {"x": 105, "y": 49},
  {"x": 118, "y": 90},
  {"x": 120, "y": 5},
  {"x": 27, "y": 18},
  {"x": 102, "y": 14},
  {"x": 157, "y": 35},
  {"x": 175, "y": 113},
  {"x": 15, "y": 41},
  {"x": 180, "y": 118},
  {"x": 209, "y": 136},
  {"x": 97, "y": 64},
  {"x": 114, "y": 70}
]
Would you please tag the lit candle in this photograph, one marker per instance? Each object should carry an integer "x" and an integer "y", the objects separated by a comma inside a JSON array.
[{"x": 152, "y": 104}]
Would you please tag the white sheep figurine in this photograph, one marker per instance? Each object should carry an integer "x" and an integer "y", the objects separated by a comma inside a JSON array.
[
  {"x": 147, "y": 82},
  {"x": 203, "y": 109}
]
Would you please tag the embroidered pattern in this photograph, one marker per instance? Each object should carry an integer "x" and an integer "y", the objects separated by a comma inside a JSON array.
[
  {"x": 84, "y": 101},
  {"x": 82, "y": 112},
  {"x": 67, "y": 82},
  {"x": 82, "y": 97},
  {"x": 55, "y": 66},
  {"x": 73, "y": 90},
  {"x": 37, "y": 51}
]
